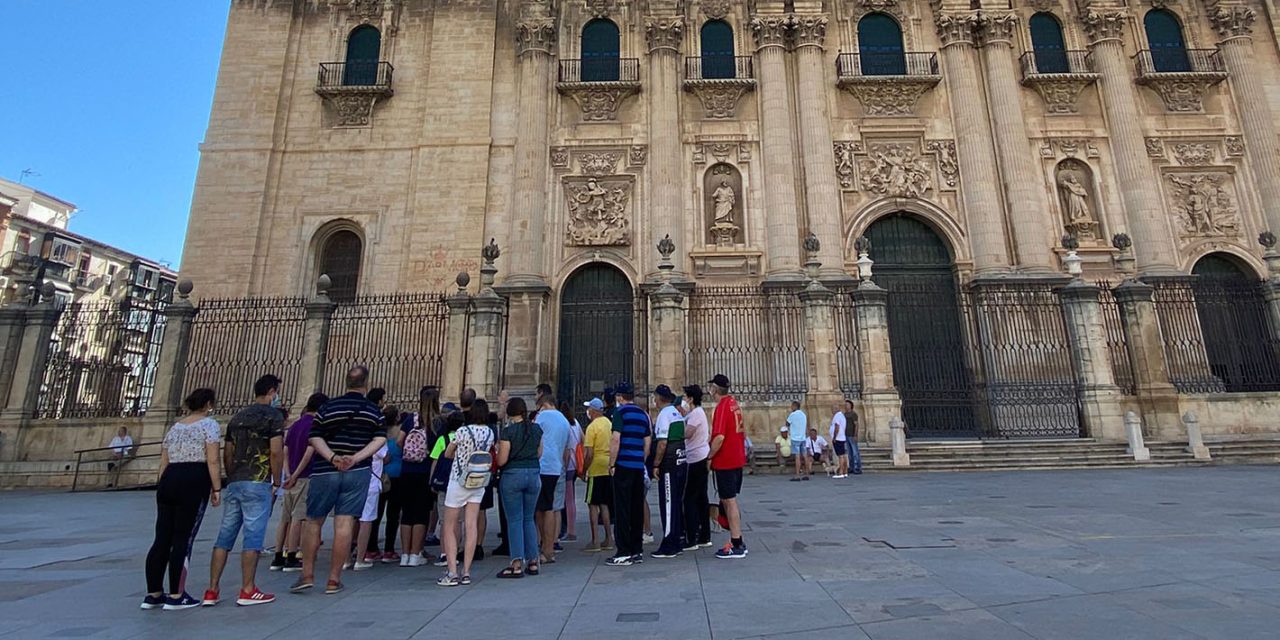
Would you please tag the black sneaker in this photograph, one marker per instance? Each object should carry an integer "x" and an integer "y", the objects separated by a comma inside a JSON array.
[
  {"x": 479, "y": 554},
  {"x": 292, "y": 565},
  {"x": 432, "y": 541},
  {"x": 277, "y": 563},
  {"x": 620, "y": 561},
  {"x": 730, "y": 551},
  {"x": 662, "y": 553},
  {"x": 502, "y": 550},
  {"x": 637, "y": 558},
  {"x": 184, "y": 601},
  {"x": 152, "y": 602}
]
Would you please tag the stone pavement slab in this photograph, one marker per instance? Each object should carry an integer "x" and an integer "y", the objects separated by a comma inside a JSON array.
[{"x": 1141, "y": 553}]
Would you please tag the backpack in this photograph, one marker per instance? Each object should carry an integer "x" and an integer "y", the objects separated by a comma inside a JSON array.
[
  {"x": 479, "y": 467},
  {"x": 415, "y": 444}
]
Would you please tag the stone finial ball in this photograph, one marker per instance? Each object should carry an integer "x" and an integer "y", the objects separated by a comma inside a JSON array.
[
  {"x": 47, "y": 290},
  {"x": 185, "y": 286},
  {"x": 463, "y": 279},
  {"x": 323, "y": 283}
]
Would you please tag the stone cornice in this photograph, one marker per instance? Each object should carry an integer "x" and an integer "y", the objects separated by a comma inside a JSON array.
[
  {"x": 664, "y": 33},
  {"x": 537, "y": 35},
  {"x": 955, "y": 27},
  {"x": 997, "y": 27},
  {"x": 809, "y": 30},
  {"x": 1105, "y": 24},
  {"x": 771, "y": 31},
  {"x": 1231, "y": 20}
]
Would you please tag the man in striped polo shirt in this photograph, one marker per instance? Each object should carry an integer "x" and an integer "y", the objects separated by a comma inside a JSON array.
[
  {"x": 347, "y": 431},
  {"x": 628, "y": 447}
]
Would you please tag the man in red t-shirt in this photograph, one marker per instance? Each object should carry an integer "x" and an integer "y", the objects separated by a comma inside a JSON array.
[{"x": 728, "y": 456}]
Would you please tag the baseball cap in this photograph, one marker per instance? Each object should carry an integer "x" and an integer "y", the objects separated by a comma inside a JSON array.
[
  {"x": 624, "y": 388},
  {"x": 663, "y": 391},
  {"x": 595, "y": 403},
  {"x": 720, "y": 380}
]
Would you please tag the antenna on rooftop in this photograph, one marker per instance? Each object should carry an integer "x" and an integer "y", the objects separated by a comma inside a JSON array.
[{"x": 26, "y": 173}]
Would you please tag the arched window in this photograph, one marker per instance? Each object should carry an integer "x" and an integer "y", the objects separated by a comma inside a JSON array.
[
  {"x": 717, "y": 50},
  {"x": 1233, "y": 320},
  {"x": 600, "y": 51},
  {"x": 1048, "y": 45},
  {"x": 364, "y": 51},
  {"x": 880, "y": 46},
  {"x": 340, "y": 256},
  {"x": 1164, "y": 37}
]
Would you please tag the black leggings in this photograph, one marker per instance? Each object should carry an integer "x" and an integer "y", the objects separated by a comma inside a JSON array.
[
  {"x": 181, "y": 497},
  {"x": 388, "y": 506},
  {"x": 697, "y": 509}
]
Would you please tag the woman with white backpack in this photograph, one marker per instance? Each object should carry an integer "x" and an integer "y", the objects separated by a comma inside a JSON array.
[{"x": 472, "y": 454}]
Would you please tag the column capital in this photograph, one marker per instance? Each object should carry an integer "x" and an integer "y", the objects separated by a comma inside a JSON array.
[
  {"x": 1231, "y": 20},
  {"x": 535, "y": 35},
  {"x": 997, "y": 27},
  {"x": 771, "y": 31},
  {"x": 809, "y": 30},
  {"x": 956, "y": 27},
  {"x": 1103, "y": 24},
  {"x": 664, "y": 33}
]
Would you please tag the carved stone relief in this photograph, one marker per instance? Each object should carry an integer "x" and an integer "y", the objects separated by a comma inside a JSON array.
[
  {"x": 1204, "y": 203},
  {"x": 1071, "y": 147},
  {"x": 1183, "y": 94},
  {"x": 894, "y": 169},
  {"x": 945, "y": 154},
  {"x": 722, "y": 196},
  {"x": 1155, "y": 147},
  {"x": 1193, "y": 153},
  {"x": 1234, "y": 146},
  {"x": 598, "y": 163},
  {"x": 719, "y": 98},
  {"x": 847, "y": 164},
  {"x": 559, "y": 157},
  {"x": 716, "y": 9},
  {"x": 599, "y": 103},
  {"x": 598, "y": 210},
  {"x": 351, "y": 109},
  {"x": 1077, "y": 200},
  {"x": 638, "y": 155},
  {"x": 599, "y": 8}
]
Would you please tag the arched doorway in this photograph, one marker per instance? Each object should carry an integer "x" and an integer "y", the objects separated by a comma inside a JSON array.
[
  {"x": 597, "y": 332},
  {"x": 926, "y": 334},
  {"x": 1233, "y": 320}
]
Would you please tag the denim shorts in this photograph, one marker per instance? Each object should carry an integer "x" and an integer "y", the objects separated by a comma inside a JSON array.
[
  {"x": 342, "y": 492},
  {"x": 248, "y": 505}
]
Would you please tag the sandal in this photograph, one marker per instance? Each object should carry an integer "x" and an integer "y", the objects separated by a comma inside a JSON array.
[
  {"x": 532, "y": 569},
  {"x": 465, "y": 581},
  {"x": 447, "y": 580},
  {"x": 511, "y": 572}
]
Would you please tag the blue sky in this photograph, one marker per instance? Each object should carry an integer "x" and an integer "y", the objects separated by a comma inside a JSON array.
[{"x": 108, "y": 103}]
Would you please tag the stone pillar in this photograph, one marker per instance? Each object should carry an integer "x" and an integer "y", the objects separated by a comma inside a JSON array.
[
  {"x": 822, "y": 192},
  {"x": 781, "y": 212},
  {"x": 1133, "y": 432},
  {"x": 880, "y": 400},
  {"x": 535, "y": 38},
  {"x": 454, "y": 376},
  {"x": 1157, "y": 397},
  {"x": 1102, "y": 414},
  {"x": 820, "y": 330},
  {"x": 898, "y": 442},
  {"x": 1139, "y": 188},
  {"x": 484, "y": 345},
  {"x": 33, "y": 356},
  {"x": 1234, "y": 23},
  {"x": 526, "y": 366},
  {"x": 666, "y": 164},
  {"x": 667, "y": 330},
  {"x": 315, "y": 345},
  {"x": 12, "y": 320},
  {"x": 974, "y": 146},
  {"x": 1029, "y": 213},
  {"x": 1195, "y": 439},
  {"x": 171, "y": 368}
]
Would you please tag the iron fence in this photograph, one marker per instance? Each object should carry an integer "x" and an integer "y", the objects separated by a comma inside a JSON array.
[
  {"x": 234, "y": 341},
  {"x": 848, "y": 357},
  {"x": 102, "y": 360},
  {"x": 888, "y": 63},
  {"x": 1184, "y": 344},
  {"x": 1242, "y": 350},
  {"x": 400, "y": 337},
  {"x": 366, "y": 74},
  {"x": 718, "y": 67},
  {"x": 1055, "y": 61},
  {"x": 603, "y": 69},
  {"x": 753, "y": 336},
  {"x": 1117, "y": 343},
  {"x": 1177, "y": 60}
]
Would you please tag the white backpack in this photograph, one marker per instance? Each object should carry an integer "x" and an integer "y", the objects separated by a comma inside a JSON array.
[{"x": 479, "y": 465}]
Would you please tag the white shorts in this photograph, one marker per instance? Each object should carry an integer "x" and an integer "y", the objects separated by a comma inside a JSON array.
[
  {"x": 458, "y": 496},
  {"x": 370, "y": 512}
]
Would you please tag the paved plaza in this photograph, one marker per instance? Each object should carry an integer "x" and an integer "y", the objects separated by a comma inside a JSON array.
[{"x": 1144, "y": 553}]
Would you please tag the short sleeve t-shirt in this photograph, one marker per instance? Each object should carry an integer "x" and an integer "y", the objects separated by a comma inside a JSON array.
[
  {"x": 799, "y": 425},
  {"x": 633, "y": 426},
  {"x": 122, "y": 444},
  {"x": 597, "y": 439},
  {"x": 295, "y": 440},
  {"x": 784, "y": 445},
  {"x": 468, "y": 440},
  {"x": 697, "y": 436},
  {"x": 727, "y": 422},
  {"x": 555, "y": 439},
  {"x": 670, "y": 427},
  {"x": 186, "y": 442},
  {"x": 249, "y": 433},
  {"x": 524, "y": 438},
  {"x": 838, "y": 427},
  {"x": 815, "y": 447}
]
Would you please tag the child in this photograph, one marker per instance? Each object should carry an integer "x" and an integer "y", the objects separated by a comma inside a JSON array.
[{"x": 370, "y": 510}]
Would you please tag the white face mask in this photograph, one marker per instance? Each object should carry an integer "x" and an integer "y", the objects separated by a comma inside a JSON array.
[{"x": 684, "y": 404}]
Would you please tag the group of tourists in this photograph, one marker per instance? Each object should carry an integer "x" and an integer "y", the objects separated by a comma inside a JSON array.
[
  {"x": 803, "y": 445},
  {"x": 440, "y": 468}
]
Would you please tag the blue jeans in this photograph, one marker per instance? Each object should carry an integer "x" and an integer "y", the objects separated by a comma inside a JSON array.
[
  {"x": 520, "y": 488},
  {"x": 246, "y": 504},
  {"x": 855, "y": 459}
]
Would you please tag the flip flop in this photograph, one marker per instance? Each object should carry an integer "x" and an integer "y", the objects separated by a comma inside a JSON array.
[
  {"x": 511, "y": 573},
  {"x": 333, "y": 587}
]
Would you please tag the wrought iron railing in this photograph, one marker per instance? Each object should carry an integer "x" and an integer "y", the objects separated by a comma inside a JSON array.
[
  {"x": 754, "y": 337},
  {"x": 1055, "y": 61},
  {"x": 717, "y": 67},
  {"x": 1242, "y": 350},
  {"x": 335, "y": 75},
  {"x": 1184, "y": 338},
  {"x": 102, "y": 360},
  {"x": 894, "y": 63},
  {"x": 400, "y": 337},
  {"x": 234, "y": 341},
  {"x": 848, "y": 356},
  {"x": 600, "y": 70},
  {"x": 1156, "y": 61},
  {"x": 1117, "y": 343}
]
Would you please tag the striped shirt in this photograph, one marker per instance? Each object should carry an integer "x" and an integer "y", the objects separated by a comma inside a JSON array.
[
  {"x": 347, "y": 424},
  {"x": 632, "y": 425}
]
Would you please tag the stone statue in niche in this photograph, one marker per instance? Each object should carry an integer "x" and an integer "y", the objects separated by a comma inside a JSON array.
[
  {"x": 722, "y": 187},
  {"x": 1077, "y": 200}
]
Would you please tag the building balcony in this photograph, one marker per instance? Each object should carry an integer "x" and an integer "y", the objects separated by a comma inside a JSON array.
[
  {"x": 719, "y": 82},
  {"x": 1180, "y": 76},
  {"x": 888, "y": 84},
  {"x": 352, "y": 89},
  {"x": 599, "y": 85},
  {"x": 1058, "y": 76}
]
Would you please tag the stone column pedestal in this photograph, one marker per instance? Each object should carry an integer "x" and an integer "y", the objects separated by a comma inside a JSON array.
[
  {"x": 171, "y": 369},
  {"x": 880, "y": 400},
  {"x": 484, "y": 345},
  {"x": 315, "y": 350},
  {"x": 667, "y": 332},
  {"x": 1101, "y": 413},
  {"x": 453, "y": 379},
  {"x": 1157, "y": 397},
  {"x": 820, "y": 331},
  {"x": 33, "y": 354},
  {"x": 528, "y": 360},
  {"x": 12, "y": 320}
]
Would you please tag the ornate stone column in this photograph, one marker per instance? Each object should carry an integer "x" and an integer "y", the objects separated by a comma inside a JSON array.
[
  {"x": 535, "y": 38},
  {"x": 1029, "y": 213},
  {"x": 782, "y": 216},
  {"x": 880, "y": 400},
  {"x": 1101, "y": 413},
  {"x": 1148, "y": 223},
  {"x": 1234, "y": 23},
  {"x": 1157, "y": 397},
  {"x": 822, "y": 192},
  {"x": 487, "y": 329},
  {"x": 453, "y": 378},
  {"x": 667, "y": 324},
  {"x": 820, "y": 329},
  {"x": 315, "y": 344},
  {"x": 980, "y": 192},
  {"x": 666, "y": 166}
]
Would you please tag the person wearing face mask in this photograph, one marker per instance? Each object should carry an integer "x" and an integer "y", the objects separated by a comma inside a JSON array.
[
  {"x": 697, "y": 436},
  {"x": 252, "y": 455}
]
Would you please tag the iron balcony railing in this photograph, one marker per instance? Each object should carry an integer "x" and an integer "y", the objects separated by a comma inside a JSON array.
[
  {"x": 600, "y": 70},
  {"x": 892, "y": 63},
  {"x": 1156, "y": 61},
  {"x": 338, "y": 75},
  {"x": 717, "y": 67},
  {"x": 1055, "y": 62}
]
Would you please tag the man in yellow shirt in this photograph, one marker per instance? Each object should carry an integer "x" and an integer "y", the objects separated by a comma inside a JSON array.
[
  {"x": 595, "y": 449},
  {"x": 783, "y": 449}
]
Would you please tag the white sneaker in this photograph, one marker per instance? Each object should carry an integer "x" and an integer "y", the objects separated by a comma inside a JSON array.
[
  {"x": 647, "y": 538},
  {"x": 346, "y": 566},
  {"x": 404, "y": 560},
  {"x": 414, "y": 560},
  {"x": 362, "y": 565}
]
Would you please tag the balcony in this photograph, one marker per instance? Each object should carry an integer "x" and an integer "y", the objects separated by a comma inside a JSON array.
[
  {"x": 599, "y": 85},
  {"x": 719, "y": 82},
  {"x": 1058, "y": 76},
  {"x": 1180, "y": 76},
  {"x": 352, "y": 89},
  {"x": 890, "y": 83}
]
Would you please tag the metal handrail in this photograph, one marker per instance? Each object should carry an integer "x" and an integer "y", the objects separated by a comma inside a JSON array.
[
  {"x": 718, "y": 67},
  {"x": 600, "y": 70},
  {"x": 1048, "y": 62},
  {"x": 375, "y": 75},
  {"x": 1155, "y": 61},
  {"x": 130, "y": 457},
  {"x": 889, "y": 63}
]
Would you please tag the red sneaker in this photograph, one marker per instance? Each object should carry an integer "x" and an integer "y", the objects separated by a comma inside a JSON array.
[
  {"x": 210, "y": 598},
  {"x": 255, "y": 597},
  {"x": 390, "y": 557},
  {"x": 372, "y": 556}
]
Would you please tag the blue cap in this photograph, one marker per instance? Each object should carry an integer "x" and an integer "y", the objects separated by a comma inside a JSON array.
[
  {"x": 624, "y": 388},
  {"x": 663, "y": 391},
  {"x": 596, "y": 404},
  {"x": 449, "y": 406}
]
